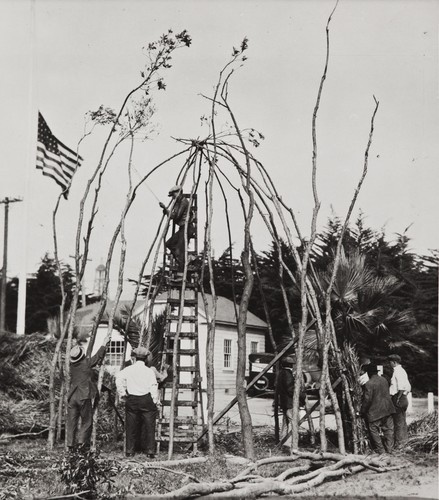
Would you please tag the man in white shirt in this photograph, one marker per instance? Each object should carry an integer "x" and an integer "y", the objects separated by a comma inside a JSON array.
[
  {"x": 399, "y": 389},
  {"x": 137, "y": 384}
]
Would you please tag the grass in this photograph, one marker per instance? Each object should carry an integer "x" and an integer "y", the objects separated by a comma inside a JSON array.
[
  {"x": 28, "y": 471},
  {"x": 423, "y": 434}
]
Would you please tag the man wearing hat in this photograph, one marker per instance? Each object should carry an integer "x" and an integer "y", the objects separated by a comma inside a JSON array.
[
  {"x": 378, "y": 409},
  {"x": 137, "y": 385},
  {"x": 83, "y": 390},
  {"x": 179, "y": 215},
  {"x": 399, "y": 389}
]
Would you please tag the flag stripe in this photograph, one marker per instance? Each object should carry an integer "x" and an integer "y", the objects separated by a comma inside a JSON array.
[
  {"x": 45, "y": 157},
  {"x": 54, "y": 172},
  {"x": 54, "y": 158},
  {"x": 69, "y": 152},
  {"x": 49, "y": 173}
]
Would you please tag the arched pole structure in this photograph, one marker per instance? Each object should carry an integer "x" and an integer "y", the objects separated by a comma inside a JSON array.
[{"x": 226, "y": 153}]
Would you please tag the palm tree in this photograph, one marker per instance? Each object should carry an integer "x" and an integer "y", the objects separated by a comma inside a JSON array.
[
  {"x": 365, "y": 309},
  {"x": 133, "y": 331}
]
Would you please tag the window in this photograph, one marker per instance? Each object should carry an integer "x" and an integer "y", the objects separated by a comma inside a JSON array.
[
  {"x": 115, "y": 353},
  {"x": 253, "y": 347},
  {"x": 227, "y": 353}
]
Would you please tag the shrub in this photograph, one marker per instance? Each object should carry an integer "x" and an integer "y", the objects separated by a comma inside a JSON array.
[
  {"x": 82, "y": 471},
  {"x": 423, "y": 434}
]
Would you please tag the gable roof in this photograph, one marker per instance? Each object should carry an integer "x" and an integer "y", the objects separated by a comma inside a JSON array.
[
  {"x": 225, "y": 313},
  {"x": 85, "y": 316}
]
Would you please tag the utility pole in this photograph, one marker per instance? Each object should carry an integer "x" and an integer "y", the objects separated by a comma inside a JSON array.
[{"x": 6, "y": 202}]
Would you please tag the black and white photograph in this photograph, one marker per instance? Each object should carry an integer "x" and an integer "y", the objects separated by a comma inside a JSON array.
[{"x": 219, "y": 273}]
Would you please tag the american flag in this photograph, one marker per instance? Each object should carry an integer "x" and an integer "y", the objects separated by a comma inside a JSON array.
[{"x": 55, "y": 159}]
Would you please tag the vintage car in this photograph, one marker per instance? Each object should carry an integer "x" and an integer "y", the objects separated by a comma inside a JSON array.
[{"x": 266, "y": 384}]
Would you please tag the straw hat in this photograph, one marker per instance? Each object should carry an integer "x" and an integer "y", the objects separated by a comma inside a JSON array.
[{"x": 76, "y": 354}]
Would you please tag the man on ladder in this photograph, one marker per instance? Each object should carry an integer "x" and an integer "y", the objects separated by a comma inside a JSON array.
[{"x": 179, "y": 214}]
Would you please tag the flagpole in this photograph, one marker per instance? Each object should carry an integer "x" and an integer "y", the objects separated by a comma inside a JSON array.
[{"x": 30, "y": 165}]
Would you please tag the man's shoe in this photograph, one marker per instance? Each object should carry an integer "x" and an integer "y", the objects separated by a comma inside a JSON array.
[
  {"x": 129, "y": 455},
  {"x": 151, "y": 455}
]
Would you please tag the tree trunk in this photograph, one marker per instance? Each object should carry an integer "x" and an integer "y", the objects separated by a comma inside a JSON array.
[{"x": 246, "y": 422}]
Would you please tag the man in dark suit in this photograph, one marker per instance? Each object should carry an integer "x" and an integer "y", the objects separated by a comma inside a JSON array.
[
  {"x": 378, "y": 409},
  {"x": 179, "y": 214},
  {"x": 83, "y": 390}
]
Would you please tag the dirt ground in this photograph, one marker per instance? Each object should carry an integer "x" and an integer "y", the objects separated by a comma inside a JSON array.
[
  {"x": 36, "y": 475},
  {"x": 29, "y": 472}
]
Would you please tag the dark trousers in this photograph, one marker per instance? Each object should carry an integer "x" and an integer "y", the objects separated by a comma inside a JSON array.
[
  {"x": 79, "y": 408},
  {"x": 287, "y": 422},
  {"x": 176, "y": 244},
  {"x": 399, "y": 419},
  {"x": 385, "y": 424},
  {"x": 140, "y": 417}
]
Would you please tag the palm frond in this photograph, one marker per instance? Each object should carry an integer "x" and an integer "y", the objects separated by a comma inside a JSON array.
[
  {"x": 400, "y": 344},
  {"x": 352, "y": 276}
]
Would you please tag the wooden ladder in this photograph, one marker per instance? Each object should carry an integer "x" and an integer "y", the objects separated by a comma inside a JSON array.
[{"x": 181, "y": 414}]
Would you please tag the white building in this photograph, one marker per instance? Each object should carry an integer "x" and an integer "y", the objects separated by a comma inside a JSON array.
[
  {"x": 226, "y": 342},
  {"x": 225, "y": 345}
]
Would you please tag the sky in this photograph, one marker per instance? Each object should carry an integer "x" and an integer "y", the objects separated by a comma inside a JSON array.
[{"x": 67, "y": 58}]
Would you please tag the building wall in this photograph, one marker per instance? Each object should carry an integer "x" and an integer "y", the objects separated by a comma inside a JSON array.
[
  {"x": 112, "y": 360},
  {"x": 225, "y": 376}
]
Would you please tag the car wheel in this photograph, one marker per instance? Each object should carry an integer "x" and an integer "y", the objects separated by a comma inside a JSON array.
[{"x": 262, "y": 384}]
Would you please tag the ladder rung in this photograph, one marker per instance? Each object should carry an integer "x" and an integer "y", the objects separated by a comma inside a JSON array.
[
  {"x": 193, "y": 439},
  {"x": 182, "y": 335},
  {"x": 179, "y": 421},
  {"x": 182, "y": 352},
  {"x": 191, "y": 270},
  {"x": 177, "y": 284},
  {"x": 167, "y": 402},
  {"x": 186, "y": 302},
  {"x": 180, "y": 429},
  {"x": 181, "y": 434},
  {"x": 186, "y": 319},
  {"x": 193, "y": 386},
  {"x": 188, "y": 369}
]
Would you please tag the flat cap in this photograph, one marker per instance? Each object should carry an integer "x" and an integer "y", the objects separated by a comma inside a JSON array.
[
  {"x": 141, "y": 352},
  {"x": 371, "y": 368},
  {"x": 394, "y": 357},
  {"x": 174, "y": 189}
]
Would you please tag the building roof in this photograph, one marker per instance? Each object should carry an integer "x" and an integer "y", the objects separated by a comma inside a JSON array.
[
  {"x": 225, "y": 313},
  {"x": 85, "y": 316}
]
